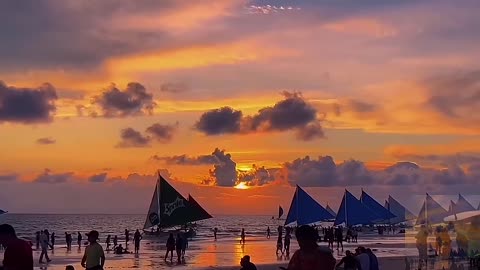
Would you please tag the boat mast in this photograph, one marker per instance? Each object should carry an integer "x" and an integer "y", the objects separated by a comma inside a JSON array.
[
  {"x": 158, "y": 197},
  {"x": 346, "y": 216}
]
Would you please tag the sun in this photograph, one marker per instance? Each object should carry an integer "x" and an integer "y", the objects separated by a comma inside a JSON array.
[{"x": 241, "y": 185}]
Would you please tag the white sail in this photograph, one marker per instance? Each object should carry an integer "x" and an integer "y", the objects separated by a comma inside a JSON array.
[{"x": 153, "y": 215}]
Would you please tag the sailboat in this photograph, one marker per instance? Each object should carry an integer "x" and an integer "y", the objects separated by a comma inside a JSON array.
[
  {"x": 280, "y": 212},
  {"x": 170, "y": 211},
  {"x": 383, "y": 214},
  {"x": 330, "y": 210},
  {"x": 401, "y": 212},
  {"x": 304, "y": 210},
  {"x": 463, "y": 205},
  {"x": 353, "y": 212},
  {"x": 431, "y": 213}
]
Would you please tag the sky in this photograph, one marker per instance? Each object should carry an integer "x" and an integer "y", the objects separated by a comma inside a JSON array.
[{"x": 236, "y": 102}]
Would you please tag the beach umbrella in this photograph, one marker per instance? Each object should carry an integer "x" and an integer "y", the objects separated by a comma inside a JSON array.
[{"x": 464, "y": 216}]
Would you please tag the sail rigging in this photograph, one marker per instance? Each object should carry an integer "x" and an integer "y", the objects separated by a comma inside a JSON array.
[{"x": 305, "y": 210}]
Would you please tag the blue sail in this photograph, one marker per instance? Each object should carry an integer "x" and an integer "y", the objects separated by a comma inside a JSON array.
[
  {"x": 330, "y": 210},
  {"x": 353, "y": 212},
  {"x": 431, "y": 213},
  {"x": 305, "y": 210},
  {"x": 383, "y": 214},
  {"x": 463, "y": 205},
  {"x": 402, "y": 214},
  {"x": 2, "y": 212}
]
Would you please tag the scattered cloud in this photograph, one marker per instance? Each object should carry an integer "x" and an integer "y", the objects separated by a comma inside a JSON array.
[
  {"x": 8, "y": 177},
  {"x": 46, "y": 141},
  {"x": 292, "y": 113},
  {"x": 27, "y": 105},
  {"x": 134, "y": 100},
  {"x": 51, "y": 178},
  {"x": 132, "y": 138},
  {"x": 174, "y": 87},
  {"x": 98, "y": 178},
  {"x": 162, "y": 133}
]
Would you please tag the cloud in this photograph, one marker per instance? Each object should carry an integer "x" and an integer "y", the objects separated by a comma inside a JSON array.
[
  {"x": 98, "y": 178},
  {"x": 187, "y": 160},
  {"x": 134, "y": 100},
  {"x": 291, "y": 113},
  {"x": 162, "y": 133},
  {"x": 27, "y": 105},
  {"x": 8, "y": 177},
  {"x": 219, "y": 121},
  {"x": 174, "y": 87},
  {"x": 50, "y": 178},
  {"x": 361, "y": 106},
  {"x": 132, "y": 138},
  {"x": 225, "y": 172},
  {"x": 46, "y": 141},
  {"x": 257, "y": 176}
]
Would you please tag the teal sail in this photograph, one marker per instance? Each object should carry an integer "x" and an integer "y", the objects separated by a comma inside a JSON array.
[
  {"x": 199, "y": 213},
  {"x": 383, "y": 214},
  {"x": 305, "y": 210},
  {"x": 353, "y": 212},
  {"x": 401, "y": 213},
  {"x": 330, "y": 210},
  {"x": 431, "y": 212},
  {"x": 463, "y": 205}
]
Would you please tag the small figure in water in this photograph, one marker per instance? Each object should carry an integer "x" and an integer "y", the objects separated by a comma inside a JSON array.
[
  {"x": 170, "y": 247},
  {"x": 178, "y": 247},
  {"x": 242, "y": 236},
  {"x": 136, "y": 240},
  {"x": 108, "y": 242},
  {"x": 268, "y": 232},
  {"x": 215, "y": 233},
  {"x": 246, "y": 264},
  {"x": 127, "y": 237},
  {"x": 79, "y": 240},
  {"x": 115, "y": 241},
  {"x": 52, "y": 240}
]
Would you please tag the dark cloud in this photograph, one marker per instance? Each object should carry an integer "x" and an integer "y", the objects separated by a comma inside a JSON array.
[
  {"x": 46, "y": 140},
  {"x": 134, "y": 100},
  {"x": 50, "y": 178},
  {"x": 220, "y": 121},
  {"x": 8, "y": 177},
  {"x": 310, "y": 172},
  {"x": 361, "y": 106},
  {"x": 292, "y": 113},
  {"x": 132, "y": 138},
  {"x": 187, "y": 160},
  {"x": 162, "y": 133},
  {"x": 98, "y": 178},
  {"x": 257, "y": 176},
  {"x": 402, "y": 165},
  {"x": 176, "y": 87},
  {"x": 27, "y": 105},
  {"x": 455, "y": 95},
  {"x": 437, "y": 159},
  {"x": 225, "y": 172}
]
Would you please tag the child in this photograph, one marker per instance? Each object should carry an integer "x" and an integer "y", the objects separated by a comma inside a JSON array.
[{"x": 94, "y": 257}]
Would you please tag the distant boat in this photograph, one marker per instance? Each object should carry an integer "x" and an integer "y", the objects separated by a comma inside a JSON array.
[
  {"x": 280, "y": 212},
  {"x": 401, "y": 212},
  {"x": 431, "y": 213},
  {"x": 353, "y": 212},
  {"x": 169, "y": 210},
  {"x": 383, "y": 214},
  {"x": 463, "y": 205},
  {"x": 305, "y": 210}
]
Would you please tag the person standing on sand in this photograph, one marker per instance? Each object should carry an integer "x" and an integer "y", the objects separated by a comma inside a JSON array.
[
  {"x": 79, "y": 240},
  {"x": 421, "y": 243},
  {"x": 52, "y": 240},
  {"x": 44, "y": 245},
  {"x": 170, "y": 247},
  {"x": 184, "y": 245},
  {"x": 37, "y": 237},
  {"x": 362, "y": 258},
  {"x": 127, "y": 237},
  {"x": 115, "y": 241},
  {"x": 107, "y": 242},
  {"x": 18, "y": 252},
  {"x": 136, "y": 240},
  {"x": 310, "y": 255},
  {"x": 373, "y": 259},
  {"x": 215, "y": 233},
  {"x": 268, "y": 232},
  {"x": 279, "y": 245},
  {"x": 94, "y": 257},
  {"x": 242, "y": 236},
  {"x": 287, "y": 243},
  {"x": 339, "y": 237},
  {"x": 178, "y": 247}
]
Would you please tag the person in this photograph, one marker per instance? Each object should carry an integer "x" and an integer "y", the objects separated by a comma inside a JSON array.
[
  {"x": 170, "y": 247},
  {"x": 115, "y": 241},
  {"x": 339, "y": 237},
  {"x": 136, "y": 240},
  {"x": 279, "y": 245},
  {"x": 268, "y": 232},
  {"x": 18, "y": 252},
  {"x": 119, "y": 250},
  {"x": 446, "y": 243},
  {"x": 349, "y": 262},
  {"x": 127, "y": 237},
  {"x": 310, "y": 255},
  {"x": 37, "y": 238},
  {"x": 44, "y": 245},
  {"x": 184, "y": 245},
  {"x": 438, "y": 240},
  {"x": 108, "y": 242},
  {"x": 178, "y": 247},
  {"x": 215, "y": 233},
  {"x": 94, "y": 257},
  {"x": 362, "y": 258},
  {"x": 421, "y": 243},
  {"x": 79, "y": 240},
  {"x": 287, "y": 243},
  {"x": 52, "y": 240},
  {"x": 242, "y": 236},
  {"x": 247, "y": 264},
  {"x": 330, "y": 237},
  {"x": 69, "y": 267},
  {"x": 373, "y": 259}
]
